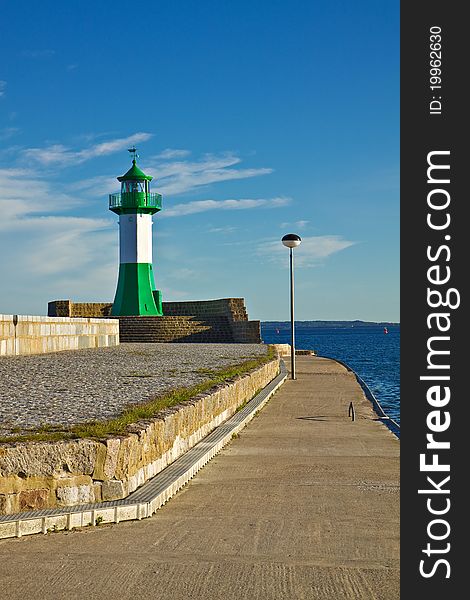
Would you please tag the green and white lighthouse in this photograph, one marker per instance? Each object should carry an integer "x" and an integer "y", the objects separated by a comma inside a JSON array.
[{"x": 135, "y": 205}]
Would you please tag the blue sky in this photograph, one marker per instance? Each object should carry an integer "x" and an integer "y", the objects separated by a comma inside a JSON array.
[{"x": 256, "y": 119}]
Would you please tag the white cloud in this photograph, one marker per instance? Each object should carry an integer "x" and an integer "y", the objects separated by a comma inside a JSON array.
[
  {"x": 98, "y": 186},
  {"x": 172, "y": 153},
  {"x": 190, "y": 208},
  {"x": 55, "y": 153},
  {"x": 206, "y": 163},
  {"x": 37, "y": 242},
  {"x": 115, "y": 145},
  {"x": 66, "y": 246},
  {"x": 58, "y": 154},
  {"x": 56, "y": 259},
  {"x": 186, "y": 182},
  {"x": 226, "y": 229},
  {"x": 296, "y": 224},
  {"x": 3, "y": 85},
  {"x": 177, "y": 177},
  {"x": 312, "y": 251},
  {"x": 23, "y": 194}
]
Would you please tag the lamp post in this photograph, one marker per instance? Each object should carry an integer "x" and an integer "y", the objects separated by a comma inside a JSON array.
[{"x": 291, "y": 241}]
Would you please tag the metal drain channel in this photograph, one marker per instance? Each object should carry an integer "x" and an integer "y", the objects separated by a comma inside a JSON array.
[{"x": 151, "y": 495}]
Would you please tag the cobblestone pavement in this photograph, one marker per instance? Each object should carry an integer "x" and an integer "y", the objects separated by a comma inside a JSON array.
[{"x": 65, "y": 388}]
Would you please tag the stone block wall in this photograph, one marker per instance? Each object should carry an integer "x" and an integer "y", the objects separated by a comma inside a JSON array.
[
  {"x": 282, "y": 349},
  {"x": 214, "y": 321},
  {"x": 285, "y": 350},
  {"x": 24, "y": 334},
  {"x": 232, "y": 308},
  {"x": 246, "y": 332},
  {"x": 37, "y": 475},
  {"x": 67, "y": 308}
]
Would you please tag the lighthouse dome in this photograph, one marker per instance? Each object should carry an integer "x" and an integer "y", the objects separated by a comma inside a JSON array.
[{"x": 134, "y": 173}]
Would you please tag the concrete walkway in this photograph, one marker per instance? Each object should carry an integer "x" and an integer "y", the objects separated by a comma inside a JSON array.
[{"x": 303, "y": 505}]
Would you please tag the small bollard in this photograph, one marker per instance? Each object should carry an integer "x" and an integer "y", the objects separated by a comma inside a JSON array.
[{"x": 351, "y": 412}]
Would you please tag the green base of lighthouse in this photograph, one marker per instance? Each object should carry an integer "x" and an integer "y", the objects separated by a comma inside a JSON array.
[{"x": 136, "y": 294}]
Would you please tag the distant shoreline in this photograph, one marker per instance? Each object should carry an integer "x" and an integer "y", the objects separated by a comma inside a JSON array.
[{"x": 330, "y": 324}]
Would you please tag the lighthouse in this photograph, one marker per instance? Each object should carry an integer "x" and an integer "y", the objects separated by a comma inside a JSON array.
[{"x": 135, "y": 205}]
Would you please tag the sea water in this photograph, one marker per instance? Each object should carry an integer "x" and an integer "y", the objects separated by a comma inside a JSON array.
[{"x": 372, "y": 353}]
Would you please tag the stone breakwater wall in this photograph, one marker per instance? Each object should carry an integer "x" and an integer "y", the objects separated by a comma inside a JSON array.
[
  {"x": 23, "y": 334},
  {"x": 232, "y": 308},
  {"x": 37, "y": 475},
  {"x": 224, "y": 320},
  {"x": 67, "y": 308}
]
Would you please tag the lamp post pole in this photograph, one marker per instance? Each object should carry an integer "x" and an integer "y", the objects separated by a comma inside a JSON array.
[
  {"x": 292, "y": 328},
  {"x": 291, "y": 241}
]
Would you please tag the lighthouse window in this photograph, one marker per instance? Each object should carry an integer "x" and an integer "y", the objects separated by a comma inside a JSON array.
[{"x": 133, "y": 186}]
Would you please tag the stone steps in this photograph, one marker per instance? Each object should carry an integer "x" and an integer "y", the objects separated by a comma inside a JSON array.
[{"x": 214, "y": 329}]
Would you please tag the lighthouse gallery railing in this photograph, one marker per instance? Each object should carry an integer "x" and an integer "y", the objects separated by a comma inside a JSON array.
[{"x": 135, "y": 200}]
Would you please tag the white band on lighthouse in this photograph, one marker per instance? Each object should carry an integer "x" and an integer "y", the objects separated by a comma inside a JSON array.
[{"x": 135, "y": 238}]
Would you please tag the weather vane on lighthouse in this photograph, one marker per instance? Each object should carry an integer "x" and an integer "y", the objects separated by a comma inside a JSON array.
[
  {"x": 133, "y": 151},
  {"x": 135, "y": 205}
]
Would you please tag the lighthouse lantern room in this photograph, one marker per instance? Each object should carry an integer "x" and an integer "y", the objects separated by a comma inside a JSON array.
[{"x": 135, "y": 205}]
